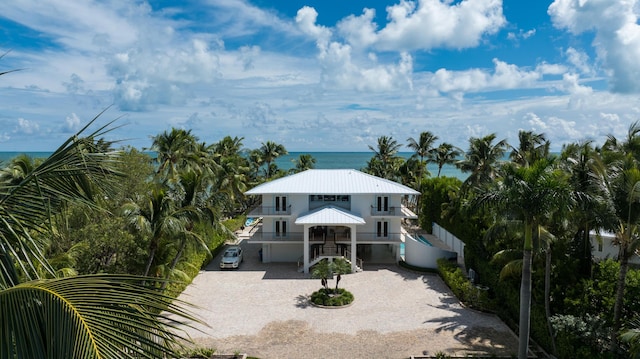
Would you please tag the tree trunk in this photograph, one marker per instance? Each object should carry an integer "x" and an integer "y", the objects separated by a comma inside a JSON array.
[
  {"x": 149, "y": 262},
  {"x": 617, "y": 309},
  {"x": 174, "y": 263},
  {"x": 547, "y": 295},
  {"x": 525, "y": 305}
]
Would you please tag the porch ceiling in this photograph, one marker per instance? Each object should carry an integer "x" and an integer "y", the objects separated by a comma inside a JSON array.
[{"x": 330, "y": 215}]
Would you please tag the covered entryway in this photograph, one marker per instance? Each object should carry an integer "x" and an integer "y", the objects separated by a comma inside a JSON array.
[{"x": 324, "y": 228}]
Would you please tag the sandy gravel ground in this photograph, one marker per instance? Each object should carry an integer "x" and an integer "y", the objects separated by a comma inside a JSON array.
[{"x": 262, "y": 310}]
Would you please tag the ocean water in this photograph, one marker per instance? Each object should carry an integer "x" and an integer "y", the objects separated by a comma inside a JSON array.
[
  {"x": 324, "y": 160},
  {"x": 357, "y": 161}
]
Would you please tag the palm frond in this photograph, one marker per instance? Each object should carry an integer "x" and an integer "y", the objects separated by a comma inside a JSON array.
[
  {"x": 77, "y": 171},
  {"x": 98, "y": 316}
]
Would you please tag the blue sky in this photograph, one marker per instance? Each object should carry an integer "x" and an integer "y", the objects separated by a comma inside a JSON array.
[{"x": 319, "y": 75}]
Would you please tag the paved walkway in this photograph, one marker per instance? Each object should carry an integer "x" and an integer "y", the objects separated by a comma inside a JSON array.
[{"x": 262, "y": 310}]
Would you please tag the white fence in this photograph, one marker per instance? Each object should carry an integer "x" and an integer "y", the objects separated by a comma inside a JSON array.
[{"x": 449, "y": 239}]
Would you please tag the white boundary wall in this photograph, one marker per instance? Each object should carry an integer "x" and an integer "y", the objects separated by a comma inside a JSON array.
[{"x": 449, "y": 239}]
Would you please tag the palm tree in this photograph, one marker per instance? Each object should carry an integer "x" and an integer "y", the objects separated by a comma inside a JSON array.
[
  {"x": 625, "y": 190},
  {"x": 94, "y": 316},
  {"x": 532, "y": 147},
  {"x": 530, "y": 194},
  {"x": 270, "y": 151},
  {"x": 175, "y": 150},
  {"x": 156, "y": 217},
  {"x": 303, "y": 163},
  {"x": 482, "y": 159},
  {"x": 444, "y": 154},
  {"x": 385, "y": 161},
  {"x": 586, "y": 177},
  {"x": 422, "y": 147}
]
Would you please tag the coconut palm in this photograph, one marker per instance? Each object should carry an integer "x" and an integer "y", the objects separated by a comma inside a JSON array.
[
  {"x": 530, "y": 194},
  {"x": 586, "y": 170},
  {"x": 385, "y": 162},
  {"x": 95, "y": 316},
  {"x": 444, "y": 154},
  {"x": 303, "y": 163},
  {"x": 482, "y": 159},
  {"x": 532, "y": 147},
  {"x": 625, "y": 194},
  {"x": 156, "y": 216},
  {"x": 421, "y": 149},
  {"x": 269, "y": 152},
  {"x": 175, "y": 149}
]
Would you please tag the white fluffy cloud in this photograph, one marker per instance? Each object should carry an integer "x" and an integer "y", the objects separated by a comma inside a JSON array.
[
  {"x": 27, "y": 127},
  {"x": 72, "y": 123},
  {"x": 504, "y": 76},
  {"x": 341, "y": 70},
  {"x": 425, "y": 25},
  {"x": 617, "y": 35}
]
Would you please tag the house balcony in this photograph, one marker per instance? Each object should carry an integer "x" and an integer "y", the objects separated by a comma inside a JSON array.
[
  {"x": 269, "y": 211},
  {"x": 393, "y": 211},
  {"x": 298, "y": 237}
]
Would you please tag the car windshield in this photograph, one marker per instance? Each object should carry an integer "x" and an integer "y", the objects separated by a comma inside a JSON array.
[{"x": 231, "y": 254}]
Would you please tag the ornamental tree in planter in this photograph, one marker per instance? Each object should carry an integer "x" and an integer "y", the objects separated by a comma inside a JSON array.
[{"x": 327, "y": 296}]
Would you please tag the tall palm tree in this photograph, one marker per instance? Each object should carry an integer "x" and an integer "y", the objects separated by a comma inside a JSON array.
[
  {"x": 270, "y": 151},
  {"x": 532, "y": 147},
  {"x": 586, "y": 177},
  {"x": 482, "y": 159},
  {"x": 625, "y": 191},
  {"x": 303, "y": 163},
  {"x": 530, "y": 194},
  {"x": 156, "y": 216},
  {"x": 421, "y": 148},
  {"x": 386, "y": 159},
  {"x": 444, "y": 154},
  {"x": 76, "y": 317},
  {"x": 175, "y": 149}
]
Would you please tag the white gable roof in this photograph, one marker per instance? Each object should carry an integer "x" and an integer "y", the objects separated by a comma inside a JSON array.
[
  {"x": 336, "y": 181},
  {"x": 330, "y": 215}
]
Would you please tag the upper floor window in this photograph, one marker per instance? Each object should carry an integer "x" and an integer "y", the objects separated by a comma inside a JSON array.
[
  {"x": 339, "y": 200},
  {"x": 281, "y": 228},
  {"x": 382, "y": 203},
  {"x": 280, "y": 203}
]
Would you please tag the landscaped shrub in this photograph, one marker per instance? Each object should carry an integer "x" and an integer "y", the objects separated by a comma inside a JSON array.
[
  {"x": 461, "y": 286},
  {"x": 332, "y": 297}
]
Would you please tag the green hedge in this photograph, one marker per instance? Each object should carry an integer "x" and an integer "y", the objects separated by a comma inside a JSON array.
[
  {"x": 462, "y": 287},
  {"x": 332, "y": 297}
]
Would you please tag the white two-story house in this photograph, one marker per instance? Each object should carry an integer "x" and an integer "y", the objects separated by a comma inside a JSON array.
[{"x": 319, "y": 214}]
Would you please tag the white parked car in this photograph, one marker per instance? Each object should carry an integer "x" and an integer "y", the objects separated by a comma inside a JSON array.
[{"x": 231, "y": 258}]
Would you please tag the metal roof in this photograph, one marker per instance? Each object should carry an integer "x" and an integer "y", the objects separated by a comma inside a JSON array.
[
  {"x": 335, "y": 181},
  {"x": 330, "y": 215}
]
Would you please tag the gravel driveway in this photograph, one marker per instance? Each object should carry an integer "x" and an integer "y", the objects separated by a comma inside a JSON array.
[{"x": 262, "y": 310}]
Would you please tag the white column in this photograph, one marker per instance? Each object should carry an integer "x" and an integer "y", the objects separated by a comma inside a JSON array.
[
  {"x": 306, "y": 248},
  {"x": 354, "y": 247}
]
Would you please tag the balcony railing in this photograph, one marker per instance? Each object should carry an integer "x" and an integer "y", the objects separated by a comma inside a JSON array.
[
  {"x": 262, "y": 211},
  {"x": 274, "y": 237},
  {"x": 393, "y": 211}
]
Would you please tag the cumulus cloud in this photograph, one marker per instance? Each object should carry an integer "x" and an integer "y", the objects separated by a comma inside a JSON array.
[
  {"x": 426, "y": 24},
  {"x": 71, "y": 123},
  {"x": 146, "y": 78},
  {"x": 340, "y": 69},
  {"x": 579, "y": 60},
  {"x": 617, "y": 35},
  {"x": 26, "y": 127},
  {"x": 504, "y": 76}
]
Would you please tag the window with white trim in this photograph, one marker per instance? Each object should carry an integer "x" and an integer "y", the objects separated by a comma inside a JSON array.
[
  {"x": 382, "y": 229},
  {"x": 280, "y": 228}
]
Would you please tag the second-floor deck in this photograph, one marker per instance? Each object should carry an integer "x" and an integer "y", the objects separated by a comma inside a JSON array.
[
  {"x": 266, "y": 211},
  {"x": 260, "y": 236}
]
